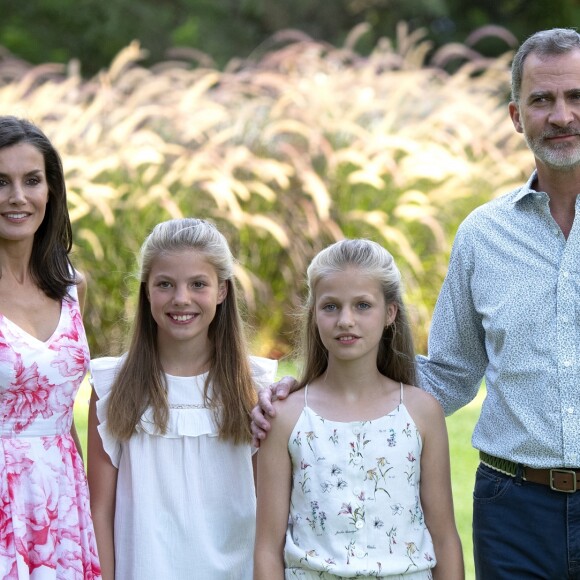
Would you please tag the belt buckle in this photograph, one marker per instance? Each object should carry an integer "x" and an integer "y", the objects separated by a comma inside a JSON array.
[{"x": 570, "y": 472}]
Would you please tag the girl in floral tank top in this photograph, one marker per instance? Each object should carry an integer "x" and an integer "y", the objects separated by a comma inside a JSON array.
[{"x": 353, "y": 478}]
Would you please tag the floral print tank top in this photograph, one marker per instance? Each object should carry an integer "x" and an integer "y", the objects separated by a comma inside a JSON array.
[{"x": 355, "y": 505}]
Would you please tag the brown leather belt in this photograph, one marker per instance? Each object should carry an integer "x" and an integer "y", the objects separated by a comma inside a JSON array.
[
  {"x": 559, "y": 479},
  {"x": 565, "y": 480}
]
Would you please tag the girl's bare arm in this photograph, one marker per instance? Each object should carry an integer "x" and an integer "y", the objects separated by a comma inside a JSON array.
[
  {"x": 436, "y": 495},
  {"x": 274, "y": 483},
  {"x": 102, "y": 476}
]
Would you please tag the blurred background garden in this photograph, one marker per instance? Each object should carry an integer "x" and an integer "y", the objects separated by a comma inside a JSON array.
[{"x": 289, "y": 124}]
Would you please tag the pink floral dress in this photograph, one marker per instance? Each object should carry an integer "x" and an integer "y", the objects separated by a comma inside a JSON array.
[{"x": 46, "y": 532}]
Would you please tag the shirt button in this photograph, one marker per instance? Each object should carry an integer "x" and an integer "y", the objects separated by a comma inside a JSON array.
[
  {"x": 357, "y": 461},
  {"x": 356, "y": 430},
  {"x": 567, "y": 363},
  {"x": 570, "y": 410},
  {"x": 360, "y": 553},
  {"x": 357, "y": 491},
  {"x": 359, "y": 525},
  {"x": 565, "y": 273}
]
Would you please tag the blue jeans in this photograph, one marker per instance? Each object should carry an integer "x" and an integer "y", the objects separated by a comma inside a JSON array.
[{"x": 524, "y": 530}]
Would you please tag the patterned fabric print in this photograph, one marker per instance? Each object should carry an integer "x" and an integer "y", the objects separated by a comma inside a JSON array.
[
  {"x": 355, "y": 508},
  {"x": 295, "y": 574},
  {"x": 46, "y": 531},
  {"x": 510, "y": 309}
]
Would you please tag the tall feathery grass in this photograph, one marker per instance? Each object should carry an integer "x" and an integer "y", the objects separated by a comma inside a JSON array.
[{"x": 287, "y": 151}]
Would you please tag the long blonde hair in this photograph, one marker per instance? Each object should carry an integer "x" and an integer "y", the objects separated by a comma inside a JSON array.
[
  {"x": 141, "y": 382},
  {"x": 396, "y": 355}
]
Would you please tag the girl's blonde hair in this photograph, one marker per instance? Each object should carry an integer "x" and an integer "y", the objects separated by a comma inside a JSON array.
[
  {"x": 396, "y": 356},
  {"x": 141, "y": 382}
]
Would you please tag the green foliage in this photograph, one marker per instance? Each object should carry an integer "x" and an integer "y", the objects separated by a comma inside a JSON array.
[
  {"x": 464, "y": 461},
  {"x": 94, "y": 31}
]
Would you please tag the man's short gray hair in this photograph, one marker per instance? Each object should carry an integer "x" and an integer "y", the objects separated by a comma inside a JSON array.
[{"x": 544, "y": 43}]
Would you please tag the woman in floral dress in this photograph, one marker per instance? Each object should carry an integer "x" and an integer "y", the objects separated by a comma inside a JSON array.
[{"x": 46, "y": 531}]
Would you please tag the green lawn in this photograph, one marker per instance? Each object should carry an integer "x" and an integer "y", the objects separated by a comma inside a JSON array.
[
  {"x": 81, "y": 413},
  {"x": 463, "y": 462}
]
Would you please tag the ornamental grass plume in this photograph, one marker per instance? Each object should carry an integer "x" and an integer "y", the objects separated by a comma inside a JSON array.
[{"x": 288, "y": 150}]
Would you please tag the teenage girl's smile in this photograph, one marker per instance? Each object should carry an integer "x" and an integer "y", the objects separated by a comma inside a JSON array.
[
  {"x": 347, "y": 338},
  {"x": 182, "y": 318},
  {"x": 184, "y": 292}
]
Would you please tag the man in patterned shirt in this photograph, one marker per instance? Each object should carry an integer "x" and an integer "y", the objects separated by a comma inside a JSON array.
[{"x": 509, "y": 311}]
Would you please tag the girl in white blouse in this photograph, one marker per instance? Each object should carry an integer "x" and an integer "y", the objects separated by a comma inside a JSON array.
[{"x": 169, "y": 457}]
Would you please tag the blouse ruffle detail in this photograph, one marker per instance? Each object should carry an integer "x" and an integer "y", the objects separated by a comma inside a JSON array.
[
  {"x": 182, "y": 422},
  {"x": 188, "y": 417}
]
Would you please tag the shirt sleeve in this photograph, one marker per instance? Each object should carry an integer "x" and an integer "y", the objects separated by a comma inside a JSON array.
[{"x": 456, "y": 361}]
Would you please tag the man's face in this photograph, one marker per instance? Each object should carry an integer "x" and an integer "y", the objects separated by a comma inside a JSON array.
[{"x": 548, "y": 113}]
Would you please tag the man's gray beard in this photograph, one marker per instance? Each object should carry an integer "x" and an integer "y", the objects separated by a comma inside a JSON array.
[{"x": 564, "y": 157}]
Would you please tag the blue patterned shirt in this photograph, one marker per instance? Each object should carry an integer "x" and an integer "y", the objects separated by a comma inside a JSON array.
[{"x": 509, "y": 310}]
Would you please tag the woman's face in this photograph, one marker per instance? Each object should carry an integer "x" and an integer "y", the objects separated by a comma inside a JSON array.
[{"x": 23, "y": 192}]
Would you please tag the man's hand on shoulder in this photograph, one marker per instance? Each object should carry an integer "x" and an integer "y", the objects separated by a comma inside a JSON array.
[{"x": 264, "y": 409}]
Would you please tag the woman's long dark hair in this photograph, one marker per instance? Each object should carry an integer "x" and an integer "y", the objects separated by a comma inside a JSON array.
[{"x": 50, "y": 266}]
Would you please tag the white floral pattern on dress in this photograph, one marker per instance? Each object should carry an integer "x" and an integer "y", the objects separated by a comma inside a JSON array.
[
  {"x": 46, "y": 532},
  {"x": 355, "y": 506}
]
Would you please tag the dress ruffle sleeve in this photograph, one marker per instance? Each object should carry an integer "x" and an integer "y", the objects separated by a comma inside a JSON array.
[
  {"x": 103, "y": 372},
  {"x": 263, "y": 371}
]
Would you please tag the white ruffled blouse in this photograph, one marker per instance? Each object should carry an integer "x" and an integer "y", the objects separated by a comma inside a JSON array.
[{"x": 185, "y": 505}]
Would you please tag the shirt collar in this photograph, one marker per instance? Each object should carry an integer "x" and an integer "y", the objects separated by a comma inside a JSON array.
[{"x": 527, "y": 188}]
